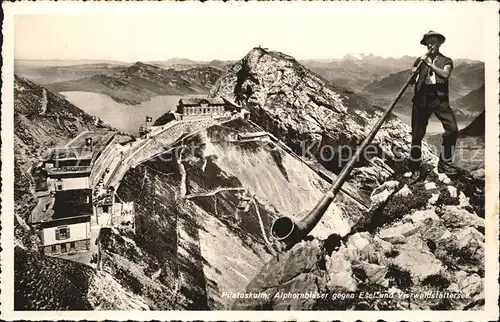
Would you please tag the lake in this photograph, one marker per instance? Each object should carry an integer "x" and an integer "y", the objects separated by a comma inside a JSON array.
[
  {"x": 126, "y": 118},
  {"x": 434, "y": 126}
]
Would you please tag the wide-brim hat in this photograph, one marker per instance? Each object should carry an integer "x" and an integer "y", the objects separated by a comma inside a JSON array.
[{"x": 430, "y": 34}]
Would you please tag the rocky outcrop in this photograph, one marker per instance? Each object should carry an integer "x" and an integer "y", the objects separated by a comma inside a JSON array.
[{"x": 434, "y": 250}]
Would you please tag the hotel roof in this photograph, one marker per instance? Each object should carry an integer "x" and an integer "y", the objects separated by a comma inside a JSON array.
[
  {"x": 195, "y": 101},
  {"x": 77, "y": 148},
  {"x": 73, "y": 203},
  {"x": 65, "y": 204}
]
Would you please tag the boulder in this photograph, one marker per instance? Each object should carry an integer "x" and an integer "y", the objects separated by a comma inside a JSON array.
[
  {"x": 443, "y": 178},
  {"x": 470, "y": 241},
  {"x": 397, "y": 234},
  {"x": 382, "y": 245},
  {"x": 340, "y": 273},
  {"x": 478, "y": 174},
  {"x": 460, "y": 276},
  {"x": 420, "y": 216},
  {"x": 463, "y": 200},
  {"x": 375, "y": 273},
  {"x": 433, "y": 199},
  {"x": 360, "y": 247},
  {"x": 471, "y": 285},
  {"x": 382, "y": 192},
  {"x": 430, "y": 186},
  {"x": 404, "y": 192},
  {"x": 453, "y": 288},
  {"x": 416, "y": 258},
  {"x": 456, "y": 217},
  {"x": 282, "y": 274},
  {"x": 453, "y": 191},
  {"x": 430, "y": 229}
]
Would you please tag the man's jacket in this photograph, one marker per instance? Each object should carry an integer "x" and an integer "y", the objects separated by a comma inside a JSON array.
[{"x": 442, "y": 83}]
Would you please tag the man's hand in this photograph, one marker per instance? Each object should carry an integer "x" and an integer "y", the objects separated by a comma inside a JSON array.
[{"x": 426, "y": 60}]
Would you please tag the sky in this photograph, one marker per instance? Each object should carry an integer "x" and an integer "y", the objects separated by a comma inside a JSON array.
[{"x": 202, "y": 31}]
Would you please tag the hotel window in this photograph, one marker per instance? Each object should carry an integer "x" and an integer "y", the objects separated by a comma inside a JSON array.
[
  {"x": 62, "y": 233},
  {"x": 72, "y": 245},
  {"x": 53, "y": 248}
]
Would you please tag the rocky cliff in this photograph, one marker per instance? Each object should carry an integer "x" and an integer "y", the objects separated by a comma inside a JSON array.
[{"x": 141, "y": 82}]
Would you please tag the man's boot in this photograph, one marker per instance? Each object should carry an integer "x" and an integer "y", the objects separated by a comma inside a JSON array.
[
  {"x": 445, "y": 166},
  {"x": 415, "y": 162}
]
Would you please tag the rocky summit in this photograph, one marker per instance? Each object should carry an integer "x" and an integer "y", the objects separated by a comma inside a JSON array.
[{"x": 311, "y": 115}]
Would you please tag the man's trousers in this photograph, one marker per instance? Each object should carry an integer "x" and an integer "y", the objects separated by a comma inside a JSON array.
[{"x": 425, "y": 103}]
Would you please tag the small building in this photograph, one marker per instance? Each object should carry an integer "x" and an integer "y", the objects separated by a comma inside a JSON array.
[
  {"x": 104, "y": 203},
  {"x": 245, "y": 113},
  {"x": 124, "y": 215},
  {"x": 63, "y": 221}
]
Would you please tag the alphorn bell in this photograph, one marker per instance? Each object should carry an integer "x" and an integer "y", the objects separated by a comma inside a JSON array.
[{"x": 290, "y": 232}]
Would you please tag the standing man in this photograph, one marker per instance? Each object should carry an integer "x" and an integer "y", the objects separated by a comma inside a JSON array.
[{"x": 432, "y": 97}]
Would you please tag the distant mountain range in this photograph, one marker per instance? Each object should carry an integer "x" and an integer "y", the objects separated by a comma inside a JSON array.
[
  {"x": 476, "y": 128},
  {"x": 375, "y": 77},
  {"x": 51, "y": 72},
  {"x": 472, "y": 103},
  {"x": 465, "y": 89},
  {"x": 141, "y": 82},
  {"x": 184, "y": 63},
  {"x": 355, "y": 71}
]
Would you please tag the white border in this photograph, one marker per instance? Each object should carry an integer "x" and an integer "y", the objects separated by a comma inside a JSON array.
[{"x": 490, "y": 13}]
